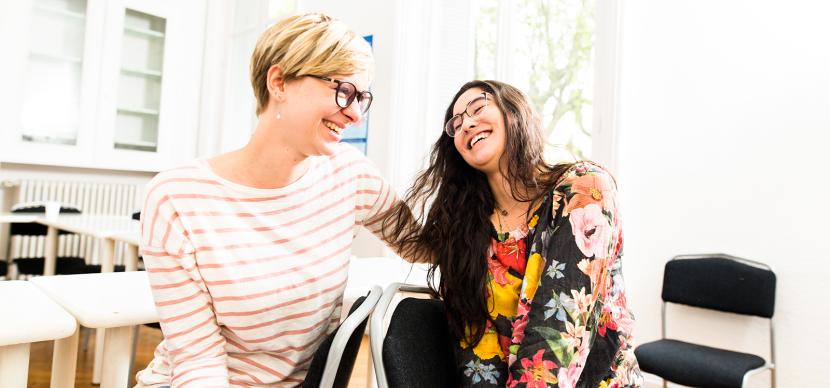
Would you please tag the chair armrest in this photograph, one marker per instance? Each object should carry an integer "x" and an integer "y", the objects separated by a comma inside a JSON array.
[{"x": 344, "y": 333}]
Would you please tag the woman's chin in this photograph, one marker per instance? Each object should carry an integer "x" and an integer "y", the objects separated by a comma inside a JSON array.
[
  {"x": 482, "y": 161},
  {"x": 329, "y": 148}
]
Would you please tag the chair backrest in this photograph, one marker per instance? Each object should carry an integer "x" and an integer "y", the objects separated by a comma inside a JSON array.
[
  {"x": 334, "y": 360},
  {"x": 417, "y": 349},
  {"x": 720, "y": 282},
  {"x": 33, "y": 228}
]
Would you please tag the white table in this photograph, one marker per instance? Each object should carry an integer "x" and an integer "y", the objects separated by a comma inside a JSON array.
[
  {"x": 10, "y": 218},
  {"x": 102, "y": 228},
  {"x": 29, "y": 316},
  {"x": 13, "y": 218},
  {"x": 107, "y": 230},
  {"x": 115, "y": 301},
  {"x": 131, "y": 238}
]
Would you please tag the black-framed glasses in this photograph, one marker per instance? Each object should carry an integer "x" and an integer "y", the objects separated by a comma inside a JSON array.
[
  {"x": 347, "y": 92},
  {"x": 473, "y": 109}
]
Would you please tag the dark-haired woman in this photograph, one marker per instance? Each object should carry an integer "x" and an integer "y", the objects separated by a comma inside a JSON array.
[{"x": 528, "y": 252}]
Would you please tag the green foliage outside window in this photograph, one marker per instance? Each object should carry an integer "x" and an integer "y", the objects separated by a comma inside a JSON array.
[{"x": 549, "y": 48}]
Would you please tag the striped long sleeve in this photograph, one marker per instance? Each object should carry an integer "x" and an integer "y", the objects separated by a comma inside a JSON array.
[{"x": 192, "y": 338}]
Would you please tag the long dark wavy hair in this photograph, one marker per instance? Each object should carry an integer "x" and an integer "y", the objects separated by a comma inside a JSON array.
[{"x": 445, "y": 216}]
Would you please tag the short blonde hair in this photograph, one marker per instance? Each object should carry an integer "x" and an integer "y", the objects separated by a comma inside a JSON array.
[{"x": 309, "y": 44}]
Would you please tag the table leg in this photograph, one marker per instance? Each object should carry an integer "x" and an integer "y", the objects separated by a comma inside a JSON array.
[
  {"x": 51, "y": 254},
  {"x": 131, "y": 257},
  {"x": 133, "y": 350},
  {"x": 117, "y": 353},
  {"x": 64, "y": 361},
  {"x": 107, "y": 265},
  {"x": 14, "y": 365},
  {"x": 107, "y": 255},
  {"x": 98, "y": 357}
]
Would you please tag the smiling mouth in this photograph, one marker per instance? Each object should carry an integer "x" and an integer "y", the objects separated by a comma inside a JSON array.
[
  {"x": 477, "y": 138},
  {"x": 333, "y": 127}
]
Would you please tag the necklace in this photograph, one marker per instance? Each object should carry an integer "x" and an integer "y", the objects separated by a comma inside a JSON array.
[
  {"x": 499, "y": 214},
  {"x": 507, "y": 211}
]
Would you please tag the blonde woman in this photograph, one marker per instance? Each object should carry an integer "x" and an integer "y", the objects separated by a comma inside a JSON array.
[{"x": 248, "y": 251}]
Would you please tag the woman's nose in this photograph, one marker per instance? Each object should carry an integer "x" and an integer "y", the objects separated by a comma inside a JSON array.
[
  {"x": 353, "y": 112},
  {"x": 467, "y": 122}
]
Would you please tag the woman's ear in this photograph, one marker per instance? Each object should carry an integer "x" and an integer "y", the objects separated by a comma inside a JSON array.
[{"x": 276, "y": 83}]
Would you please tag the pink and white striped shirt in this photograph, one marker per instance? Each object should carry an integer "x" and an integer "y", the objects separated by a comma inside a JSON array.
[{"x": 248, "y": 281}]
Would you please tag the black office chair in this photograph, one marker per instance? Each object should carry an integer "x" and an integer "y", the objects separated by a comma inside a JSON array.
[
  {"x": 334, "y": 360},
  {"x": 35, "y": 265},
  {"x": 717, "y": 282},
  {"x": 416, "y": 349}
]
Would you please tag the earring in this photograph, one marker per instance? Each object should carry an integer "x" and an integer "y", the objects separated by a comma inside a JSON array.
[{"x": 277, "y": 97}]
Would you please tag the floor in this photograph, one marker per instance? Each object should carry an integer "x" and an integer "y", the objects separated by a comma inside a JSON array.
[{"x": 40, "y": 361}]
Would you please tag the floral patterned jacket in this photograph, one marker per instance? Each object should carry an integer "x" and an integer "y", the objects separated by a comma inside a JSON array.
[{"x": 557, "y": 301}]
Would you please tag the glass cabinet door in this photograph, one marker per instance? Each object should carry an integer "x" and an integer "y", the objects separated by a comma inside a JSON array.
[
  {"x": 51, "y": 106},
  {"x": 151, "y": 79},
  {"x": 139, "y": 84},
  {"x": 112, "y": 84}
]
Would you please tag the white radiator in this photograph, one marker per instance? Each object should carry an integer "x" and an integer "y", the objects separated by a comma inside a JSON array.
[{"x": 91, "y": 198}]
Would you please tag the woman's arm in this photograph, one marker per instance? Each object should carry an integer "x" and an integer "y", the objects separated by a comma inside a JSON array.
[
  {"x": 377, "y": 205},
  {"x": 192, "y": 337},
  {"x": 568, "y": 280}
]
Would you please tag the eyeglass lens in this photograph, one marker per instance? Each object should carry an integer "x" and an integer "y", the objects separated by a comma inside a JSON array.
[
  {"x": 473, "y": 109},
  {"x": 346, "y": 94}
]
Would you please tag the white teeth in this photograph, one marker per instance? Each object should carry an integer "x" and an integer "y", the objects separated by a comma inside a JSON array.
[
  {"x": 332, "y": 126},
  {"x": 480, "y": 136}
]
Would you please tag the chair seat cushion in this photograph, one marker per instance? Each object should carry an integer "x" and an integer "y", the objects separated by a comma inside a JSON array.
[
  {"x": 90, "y": 268},
  {"x": 696, "y": 365},
  {"x": 34, "y": 265}
]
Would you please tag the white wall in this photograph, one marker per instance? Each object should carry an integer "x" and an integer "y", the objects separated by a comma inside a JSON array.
[
  {"x": 422, "y": 55},
  {"x": 722, "y": 148}
]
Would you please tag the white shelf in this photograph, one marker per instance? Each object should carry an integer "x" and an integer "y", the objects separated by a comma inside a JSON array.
[
  {"x": 142, "y": 72},
  {"x": 136, "y": 145},
  {"x": 49, "y": 139},
  {"x": 138, "y": 111},
  {"x": 144, "y": 32},
  {"x": 61, "y": 12},
  {"x": 56, "y": 58}
]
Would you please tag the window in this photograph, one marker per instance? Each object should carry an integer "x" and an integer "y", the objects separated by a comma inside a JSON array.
[
  {"x": 546, "y": 49},
  {"x": 358, "y": 135}
]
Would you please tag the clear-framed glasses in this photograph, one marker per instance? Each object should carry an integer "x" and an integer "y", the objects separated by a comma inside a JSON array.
[
  {"x": 474, "y": 109},
  {"x": 346, "y": 93}
]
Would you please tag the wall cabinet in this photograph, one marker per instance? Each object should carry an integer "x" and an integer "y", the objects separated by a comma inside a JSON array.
[{"x": 110, "y": 84}]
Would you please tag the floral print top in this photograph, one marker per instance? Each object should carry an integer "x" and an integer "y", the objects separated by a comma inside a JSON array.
[{"x": 557, "y": 301}]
